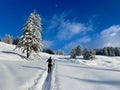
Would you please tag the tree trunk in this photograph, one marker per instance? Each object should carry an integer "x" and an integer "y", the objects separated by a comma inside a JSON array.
[{"x": 28, "y": 55}]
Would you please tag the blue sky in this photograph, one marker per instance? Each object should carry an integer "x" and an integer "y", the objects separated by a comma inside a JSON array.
[{"x": 66, "y": 23}]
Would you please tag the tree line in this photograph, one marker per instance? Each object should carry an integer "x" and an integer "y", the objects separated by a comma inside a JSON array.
[
  {"x": 9, "y": 39},
  {"x": 87, "y": 54},
  {"x": 108, "y": 51}
]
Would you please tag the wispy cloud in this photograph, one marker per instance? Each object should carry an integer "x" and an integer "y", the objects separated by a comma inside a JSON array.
[
  {"x": 65, "y": 28},
  {"x": 74, "y": 43},
  {"x": 112, "y": 31},
  {"x": 108, "y": 37},
  {"x": 111, "y": 36},
  {"x": 76, "y": 33},
  {"x": 47, "y": 43},
  {"x": 68, "y": 29}
]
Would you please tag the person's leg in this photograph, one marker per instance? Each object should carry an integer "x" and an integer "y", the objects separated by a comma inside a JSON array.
[{"x": 48, "y": 68}]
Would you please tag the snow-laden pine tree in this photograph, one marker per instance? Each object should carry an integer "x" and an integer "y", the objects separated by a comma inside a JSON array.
[
  {"x": 78, "y": 51},
  {"x": 85, "y": 53},
  {"x": 16, "y": 40},
  {"x": 60, "y": 52},
  {"x": 105, "y": 51},
  {"x": 92, "y": 54},
  {"x": 31, "y": 39},
  {"x": 89, "y": 54},
  {"x": 8, "y": 39},
  {"x": 73, "y": 53}
]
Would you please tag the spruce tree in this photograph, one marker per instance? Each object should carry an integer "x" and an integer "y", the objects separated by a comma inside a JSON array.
[
  {"x": 8, "y": 39},
  {"x": 60, "y": 52},
  {"x": 89, "y": 54},
  {"x": 92, "y": 54},
  {"x": 85, "y": 53},
  {"x": 16, "y": 40},
  {"x": 78, "y": 51},
  {"x": 73, "y": 53},
  {"x": 31, "y": 39}
]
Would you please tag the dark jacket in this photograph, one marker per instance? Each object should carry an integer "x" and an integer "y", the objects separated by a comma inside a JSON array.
[{"x": 49, "y": 60}]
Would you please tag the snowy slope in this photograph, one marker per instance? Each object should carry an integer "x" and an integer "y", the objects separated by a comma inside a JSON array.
[
  {"x": 17, "y": 73},
  {"x": 78, "y": 74}
]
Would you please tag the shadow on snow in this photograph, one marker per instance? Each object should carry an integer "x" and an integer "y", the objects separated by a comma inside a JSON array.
[
  {"x": 108, "y": 82},
  {"x": 34, "y": 67},
  {"x": 94, "y": 68},
  {"x": 8, "y": 52},
  {"x": 47, "y": 84}
]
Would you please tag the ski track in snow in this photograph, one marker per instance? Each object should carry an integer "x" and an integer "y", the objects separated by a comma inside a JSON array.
[
  {"x": 35, "y": 82},
  {"x": 49, "y": 83}
]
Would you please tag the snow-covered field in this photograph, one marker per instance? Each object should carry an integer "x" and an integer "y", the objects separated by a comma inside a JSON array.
[{"x": 17, "y": 73}]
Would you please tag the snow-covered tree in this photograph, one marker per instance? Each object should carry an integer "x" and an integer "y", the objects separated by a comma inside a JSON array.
[
  {"x": 89, "y": 54},
  {"x": 73, "y": 53},
  {"x": 8, "y": 39},
  {"x": 85, "y": 53},
  {"x": 108, "y": 51},
  {"x": 105, "y": 51},
  {"x": 92, "y": 54},
  {"x": 48, "y": 50},
  {"x": 60, "y": 52},
  {"x": 31, "y": 39},
  {"x": 117, "y": 51},
  {"x": 111, "y": 51},
  {"x": 16, "y": 40},
  {"x": 78, "y": 51}
]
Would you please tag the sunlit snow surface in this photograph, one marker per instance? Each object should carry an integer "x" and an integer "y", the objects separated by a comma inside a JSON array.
[{"x": 18, "y": 73}]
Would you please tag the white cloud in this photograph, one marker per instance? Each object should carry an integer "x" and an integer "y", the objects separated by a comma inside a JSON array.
[
  {"x": 47, "y": 43},
  {"x": 112, "y": 31},
  {"x": 80, "y": 41},
  {"x": 66, "y": 29},
  {"x": 109, "y": 37},
  {"x": 85, "y": 39}
]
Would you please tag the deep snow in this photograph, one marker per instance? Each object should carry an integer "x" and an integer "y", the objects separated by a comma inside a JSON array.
[{"x": 17, "y": 73}]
